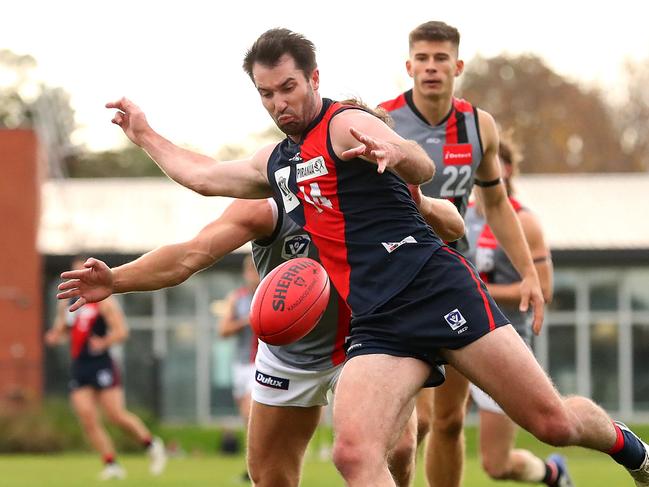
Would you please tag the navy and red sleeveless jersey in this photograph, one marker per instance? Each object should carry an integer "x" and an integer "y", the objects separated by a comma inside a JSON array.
[
  {"x": 371, "y": 237},
  {"x": 454, "y": 145},
  {"x": 84, "y": 323}
]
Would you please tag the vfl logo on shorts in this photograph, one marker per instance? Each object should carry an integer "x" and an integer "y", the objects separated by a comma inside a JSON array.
[
  {"x": 105, "y": 378},
  {"x": 271, "y": 381},
  {"x": 455, "y": 319}
]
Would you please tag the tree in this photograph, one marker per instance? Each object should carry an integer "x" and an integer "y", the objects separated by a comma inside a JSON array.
[
  {"x": 563, "y": 126},
  {"x": 632, "y": 114},
  {"x": 28, "y": 103}
]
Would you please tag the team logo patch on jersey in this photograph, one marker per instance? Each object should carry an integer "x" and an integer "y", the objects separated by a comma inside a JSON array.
[
  {"x": 271, "y": 381},
  {"x": 290, "y": 200},
  {"x": 392, "y": 246},
  {"x": 310, "y": 169},
  {"x": 296, "y": 246},
  {"x": 457, "y": 154},
  {"x": 455, "y": 319}
]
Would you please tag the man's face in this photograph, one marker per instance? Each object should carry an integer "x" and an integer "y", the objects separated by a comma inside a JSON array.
[
  {"x": 433, "y": 66},
  {"x": 289, "y": 97}
]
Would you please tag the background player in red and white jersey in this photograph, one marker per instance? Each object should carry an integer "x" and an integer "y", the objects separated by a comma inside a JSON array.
[
  {"x": 500, "y": 459},
  {"x": 281, "y": 421},
  {"x": 463, "y": 142},
  {"x": 411, "y": 317},
  {"x": 95, "y": 383}
]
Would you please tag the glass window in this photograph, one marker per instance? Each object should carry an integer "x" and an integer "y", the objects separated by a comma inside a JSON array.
[
  {"x": 603, "y": 291},
  {"x": 640, "y": 366},
  {"x": 604, "y": 363},
  {"x": 140, "y": 369},
  {"x": 137, "y": 304},
  {"x": 639, "y": 288},
  {"x": 178, "y": 377},
  {"x": 561, "y": 357},
  {"x": 564, "y": 297},
  {"x": 181, "y": 300}
]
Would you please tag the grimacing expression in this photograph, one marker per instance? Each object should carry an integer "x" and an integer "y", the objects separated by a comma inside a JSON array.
[
  {"x": 434, "y": 65},
  {"x": 287, "y": 94}
]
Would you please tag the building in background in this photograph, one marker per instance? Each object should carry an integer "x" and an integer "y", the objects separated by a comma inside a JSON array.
[{"x": 595, "y": 341}]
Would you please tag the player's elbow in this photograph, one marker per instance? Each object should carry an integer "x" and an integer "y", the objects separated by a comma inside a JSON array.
[{"x": 453, "y": 231}]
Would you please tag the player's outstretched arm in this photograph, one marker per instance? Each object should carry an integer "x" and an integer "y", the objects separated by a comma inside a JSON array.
[
  {"x": 57, "y": 332},
  {"x": 167, "y": 266},
  {"x": 505, "y": 225},
  {"x": 355, "y": 133},
  {"x": 239, "y": 179},
  {"x": 440, "y": 214}
]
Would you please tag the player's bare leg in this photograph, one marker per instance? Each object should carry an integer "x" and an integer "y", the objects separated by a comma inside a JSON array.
[
  {"x": 112, "y": 402},
  {"x": 424, "y": 407},
  {"x": 374, "y": 400},
  {"x": 85, "y": 404},
  {"x": 516, "y": 382},
  {"x": 499, "y": 458},
  {"x": 277, "y": 440},
  {"x": 402, "y": 457},
  {"x": 445, "y": 448}
]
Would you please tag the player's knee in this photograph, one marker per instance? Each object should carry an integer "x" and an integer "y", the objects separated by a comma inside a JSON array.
[
  {"x": 115, "y": 417},
  {"x": 349, "y": 456},
  {"x": 494, "y": 469},
  {"x": 554, "y": 428},
  {"x": 449, "y": 425}
]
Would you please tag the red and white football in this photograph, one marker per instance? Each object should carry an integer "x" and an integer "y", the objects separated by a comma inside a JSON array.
[{"x": 289, "y": 301}]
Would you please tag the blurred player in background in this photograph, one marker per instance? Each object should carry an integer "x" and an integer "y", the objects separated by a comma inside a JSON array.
[
  {"x": 285, "y": 411},
  {"x": 497, "y": 431},
  {"x": 95, "y": 384},
  {"x": 236, "y": 323}
]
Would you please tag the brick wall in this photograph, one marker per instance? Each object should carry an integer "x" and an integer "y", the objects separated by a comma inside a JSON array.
[{"x": 21, "y": 344}]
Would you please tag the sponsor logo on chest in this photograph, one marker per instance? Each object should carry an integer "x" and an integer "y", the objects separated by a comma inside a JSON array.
[
  {"x": 457, "y": 154},
  {"x": 313, "y": 168}
]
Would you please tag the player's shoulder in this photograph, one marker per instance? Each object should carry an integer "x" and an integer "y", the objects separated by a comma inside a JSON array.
[{"x": 394, "y": 104}]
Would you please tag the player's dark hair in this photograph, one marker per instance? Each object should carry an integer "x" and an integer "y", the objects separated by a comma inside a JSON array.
[
  {"x": 274, "y": 43},
  {"x": 510, "y": 153},
  {"x": 435, "y": 31}
]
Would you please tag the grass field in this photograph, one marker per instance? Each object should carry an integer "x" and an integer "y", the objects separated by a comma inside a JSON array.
[{"x": 203, "y": 470}]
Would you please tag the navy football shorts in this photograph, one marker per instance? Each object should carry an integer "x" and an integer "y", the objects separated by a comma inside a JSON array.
[
  {"x": 446, "y": 306},
  {"x": 96, "y": 373}
]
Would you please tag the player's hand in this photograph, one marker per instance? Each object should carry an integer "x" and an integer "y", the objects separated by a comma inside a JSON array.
[
  {"x": 52, "y": 338},
  {"x": 532, "y": 295},
  {"x": 415, "y": 192},
  {"x": 91, "y": 284},
  {"x": 130, "y": 118},
  {"x": 384, "y": 154}
]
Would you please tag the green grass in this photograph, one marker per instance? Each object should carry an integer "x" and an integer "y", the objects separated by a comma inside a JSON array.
[{"x": 198, "y": 469}]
